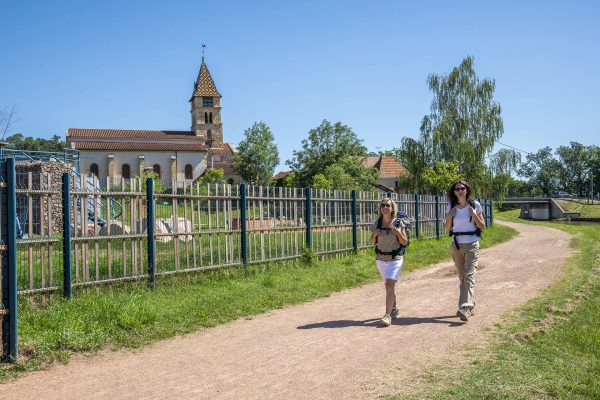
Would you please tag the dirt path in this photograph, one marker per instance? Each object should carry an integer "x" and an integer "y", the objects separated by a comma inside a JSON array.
[{"x": 329, "y": 348}]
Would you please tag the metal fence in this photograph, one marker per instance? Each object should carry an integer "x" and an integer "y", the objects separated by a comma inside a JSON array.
[
  {"x": 64, "y": 231},
  {"x": 194, "y": 227}
]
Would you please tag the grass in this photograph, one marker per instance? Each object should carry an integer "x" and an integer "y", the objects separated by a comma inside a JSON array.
[
  {"x": 584, "y": 209},
  {"x": 551, "y": 347},
  {"x": 131, "y": 315}
]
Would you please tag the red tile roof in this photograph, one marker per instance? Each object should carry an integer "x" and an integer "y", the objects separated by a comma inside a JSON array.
[
  {"x": 227, "y": 166},
  {"x": 388, "y": 166},
  {"x": 135, "y": 140},
  {"x": 134, "y": 134},
  {"x": 205, "y": 86},
  {"x": 129, "y": 146},
  {"x": 225, "y": 150},
  {"x": 281, "y": 175}
]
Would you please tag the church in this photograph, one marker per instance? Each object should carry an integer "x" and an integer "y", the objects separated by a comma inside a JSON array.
[{"x": 178, "y": 157}]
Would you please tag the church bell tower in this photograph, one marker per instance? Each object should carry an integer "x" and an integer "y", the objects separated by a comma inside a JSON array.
[{"x": 206, "y": 109}]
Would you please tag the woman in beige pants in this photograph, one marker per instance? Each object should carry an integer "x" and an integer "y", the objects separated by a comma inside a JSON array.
[{"x": 464, "y": 220}]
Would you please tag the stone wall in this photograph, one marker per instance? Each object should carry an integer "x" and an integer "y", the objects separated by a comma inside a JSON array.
[{"x": 40, "y": 213}]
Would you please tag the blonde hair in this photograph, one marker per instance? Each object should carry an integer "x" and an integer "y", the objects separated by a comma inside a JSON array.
[{"x": 394, "y": 207}]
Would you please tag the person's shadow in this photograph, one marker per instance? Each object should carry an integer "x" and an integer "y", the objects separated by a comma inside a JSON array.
[{"x": 375, "y": 323}]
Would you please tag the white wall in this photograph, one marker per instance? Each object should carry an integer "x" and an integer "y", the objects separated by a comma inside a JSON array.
[{"x": 196, "y": 159}]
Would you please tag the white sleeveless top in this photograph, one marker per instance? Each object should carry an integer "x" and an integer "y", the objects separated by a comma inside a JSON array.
[{"x": 462, "y": 222}]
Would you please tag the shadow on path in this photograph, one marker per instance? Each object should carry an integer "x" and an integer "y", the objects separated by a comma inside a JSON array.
[{"x": 403, "y": 321}]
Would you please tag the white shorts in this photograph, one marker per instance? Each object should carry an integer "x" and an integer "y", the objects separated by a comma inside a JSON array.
[{"x": 390, "y": 269}]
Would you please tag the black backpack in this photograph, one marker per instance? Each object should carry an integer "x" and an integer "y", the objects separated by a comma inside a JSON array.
[
  {"x": 476, "y": 232},
  {"x": 405, "y": 218}
]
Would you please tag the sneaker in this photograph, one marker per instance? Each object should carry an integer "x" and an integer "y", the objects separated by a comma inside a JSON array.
[
  {"x": 386, "y": 320},
  {"x": 395, "y": 313},
  {"x": 464, "y": 313}
]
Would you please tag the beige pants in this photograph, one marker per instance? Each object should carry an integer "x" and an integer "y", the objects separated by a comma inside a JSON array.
[{"x": 466, "y": 259}]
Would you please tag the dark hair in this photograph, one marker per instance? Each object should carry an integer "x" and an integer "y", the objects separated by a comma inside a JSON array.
[{"x": 452, "y": 197}]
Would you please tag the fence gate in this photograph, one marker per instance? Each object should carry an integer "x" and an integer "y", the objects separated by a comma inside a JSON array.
[{"x": 8, "y": 261}]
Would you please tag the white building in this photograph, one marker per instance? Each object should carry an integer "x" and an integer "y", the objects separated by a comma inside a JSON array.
[{"x": 176, "y": 156}]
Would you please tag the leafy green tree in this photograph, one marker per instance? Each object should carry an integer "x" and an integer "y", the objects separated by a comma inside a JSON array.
[
  {"x": 20, "y": 142},
  {"x": 291, "y": 180},
  {"x": 320, "y": 181},
  {"x": 517, "y": 187},
  {"x": 441, "y": 176},
  {"x": 592, "y": 161},
  {"x": 574, "y": 167},
  {"x": 500, "y": 169},
  {"x": 332, "y": 144},
  {"x": 257, "y": 155},
  {"x": 542, "y": 171},
  {"x": 212, "y": 175},
  {"x": 464, "y": 124},
  {"x": 158, "y": 186}
]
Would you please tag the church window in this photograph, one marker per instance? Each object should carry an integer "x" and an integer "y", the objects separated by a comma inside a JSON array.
[
  {"x": 206, "y": 118},
  {"x": 156, "y": 169},
  {"x": 207, "y": 101},
  {"x": 209, "y": 134},
  {"x": 94, "y": 169},
  {"x": 188, "y": 171},
  {"x": 125, "y": 171},
  {"x": 210, "y": 118}
]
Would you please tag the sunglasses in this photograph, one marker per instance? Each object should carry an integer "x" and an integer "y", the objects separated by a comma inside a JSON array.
[
  {"x": 385, "y": 205},
  {"x": 460, "y": 189}
]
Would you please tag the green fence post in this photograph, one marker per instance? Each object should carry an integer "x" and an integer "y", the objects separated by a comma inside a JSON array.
[
  {"x": 243, "y": 225},
  {"x": 354, "y": 223},
  {"x": 417, "y": 219},
  {"x": 150, "y": 229},
  {"x": 66, "y": 204},
  {"x": 308, "y": 216},
  {"x": 491, "y": 213},
  {"x": 437, "y": 216},
  {"x": 12, "y": 342}
]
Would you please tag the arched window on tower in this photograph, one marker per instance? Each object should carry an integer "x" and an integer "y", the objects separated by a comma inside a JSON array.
[
  {"x": 189, "y": 171},
  {"x": 156, "y": 169},
  {"x": 206, "y": 118},
  {"x": 210, "y": 118},
  {"x": 125, "y": 171},
  {"x": 94, "y": 169}
]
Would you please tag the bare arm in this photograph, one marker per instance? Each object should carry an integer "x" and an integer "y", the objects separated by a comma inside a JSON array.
[
  {"x": 448, "y": 219},
  {"x": 478, "y": 219},
  {"x": 373, "y": 239}
]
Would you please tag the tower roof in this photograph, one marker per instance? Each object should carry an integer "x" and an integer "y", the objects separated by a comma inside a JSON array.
[{"x": 205, "y": 86}]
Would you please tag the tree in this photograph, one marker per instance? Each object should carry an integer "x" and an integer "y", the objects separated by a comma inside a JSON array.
[
  {"x": 320, "y": 181},
  {"x": 7, "y": 120},
  {"x": 542, "y": 171},
  {"x": 441, "y": 176},
  {"x": 257, "y": 155},
  {"x": 463, "y": 127},
  {"x": 573, "y": 171},
  {"x": 212, "y": 175},
  {"x": 592, "y": 160},
  {"x": 20, "y": 142},
  {"x": 332, "y": 144}
]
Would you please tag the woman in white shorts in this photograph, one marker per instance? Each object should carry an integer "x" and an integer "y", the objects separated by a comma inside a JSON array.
[{"x": 390, "y": 239}]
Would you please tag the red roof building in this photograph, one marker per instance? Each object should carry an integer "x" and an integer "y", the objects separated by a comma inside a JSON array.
[{"x": 177, "y": 156}]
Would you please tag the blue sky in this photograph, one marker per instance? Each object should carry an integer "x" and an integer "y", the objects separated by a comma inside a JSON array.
[{"x": 132, "y": 64}]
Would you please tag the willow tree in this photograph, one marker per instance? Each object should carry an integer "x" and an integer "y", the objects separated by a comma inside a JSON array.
[{"x": 463, "y": 126}]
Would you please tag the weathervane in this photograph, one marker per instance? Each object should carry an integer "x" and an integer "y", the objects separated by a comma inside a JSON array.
[{"x": 203, "y": 46}]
